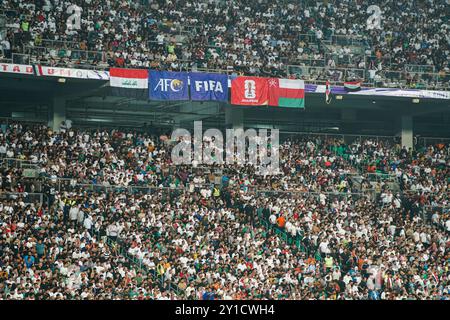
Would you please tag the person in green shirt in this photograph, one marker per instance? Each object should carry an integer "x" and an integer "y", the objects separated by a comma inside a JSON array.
[
  {"x": 139, "y": 279},
  {"x": 40, "y": 248},
  {"x": 62, "y": 53},
  {"x": 25, "y": 26},
  {"x": 328, "y": 262},
  {"x": 171, "y": 48},
  {"x": 132, "y": 293}
]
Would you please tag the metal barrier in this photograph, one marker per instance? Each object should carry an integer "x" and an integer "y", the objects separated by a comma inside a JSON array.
[
  {"x": 330, "y": 196},
  {"x": 348, "y": 40},
  {"x": 321, "y": 75},
  {"x": 426, "y": 141},
  {"x": 81, "y": 58},
  {"x": 20, "y": 58},
  {"x": 412, "y": 76},
  {"x": 310, "y": 62},
  {"x": 379, "y": 177},
  {"x": 384, "y": 78},
  {"x": 345, "y": 60},
  {"x": 308, "y": 37},
  {"x": 9, "y": 12},
  {"x": 116, "y": 246},
  {"x": 420, "y": 68},
  {"x": 63, "y": 184},
  {"x": 18, "y": 163},
  {"x": 27, "y": 197},
  {"x": 288, "y": 238},
  {"x": 417, "y": 80},
  {"x": 60, "y": 44}
]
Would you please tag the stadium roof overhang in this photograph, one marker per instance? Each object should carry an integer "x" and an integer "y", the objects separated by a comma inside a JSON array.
[{"x": 91, "y": 101}]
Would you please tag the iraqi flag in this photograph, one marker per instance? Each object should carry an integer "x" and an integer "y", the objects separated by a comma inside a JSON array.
[
  {"x": 286, "y": 93},
  {"x": 37, "y": 70},
  {"x": 352, "y": 86},
  {"x": 131, "y": 83}
]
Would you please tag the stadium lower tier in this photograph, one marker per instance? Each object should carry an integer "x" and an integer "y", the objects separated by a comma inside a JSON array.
[
  {"x": 233, "y": 246},
  {"x": 363, "y": 220}
]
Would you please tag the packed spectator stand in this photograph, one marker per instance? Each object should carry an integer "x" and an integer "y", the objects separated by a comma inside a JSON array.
[
  {"x": 314, "y": 40},
  {"x": 119, "y": 221}
]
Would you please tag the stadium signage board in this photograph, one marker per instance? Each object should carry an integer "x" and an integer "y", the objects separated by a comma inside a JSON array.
[
  {"x": 16, "y": 68},
  {"x": 73, "y": 73},
  {"x": 53, "y": 71},
  {"x": 208, "y": 86},
  {"x": 385, "y": 92},
  {"x": 167, "y": 85}
]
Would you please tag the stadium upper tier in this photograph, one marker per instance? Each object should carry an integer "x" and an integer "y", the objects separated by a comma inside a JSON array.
[{"x": 316, "y": 41}]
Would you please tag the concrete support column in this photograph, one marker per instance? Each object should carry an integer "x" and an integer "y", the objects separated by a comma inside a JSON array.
[
  {"x": 57, "y": 113},
  {"x": 234, "y": 118},
  {"x": 348, "y": 118},
  {"x": 407, "y": 132}
]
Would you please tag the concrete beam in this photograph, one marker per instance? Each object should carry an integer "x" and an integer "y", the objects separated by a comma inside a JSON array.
[{"x": 407, "y": 131}]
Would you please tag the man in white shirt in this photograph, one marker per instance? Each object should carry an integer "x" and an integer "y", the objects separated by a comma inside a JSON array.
[
  {"x": 112, "y": 231},
  {"x": 87, "y": 223},
  {"x": 6, "y": 48},
  {"x": 2, "y": 150},
  {"x": 73, "y": 215}
]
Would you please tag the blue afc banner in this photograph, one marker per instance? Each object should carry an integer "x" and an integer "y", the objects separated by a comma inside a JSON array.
[
  {"x": 166, "y": 85},
  {"x": 208, "y": 86}
]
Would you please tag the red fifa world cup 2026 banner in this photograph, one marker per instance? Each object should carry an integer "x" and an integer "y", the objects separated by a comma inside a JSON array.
[{"x": 250, "y": 91}]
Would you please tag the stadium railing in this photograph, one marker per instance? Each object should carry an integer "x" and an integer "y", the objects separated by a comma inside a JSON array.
[
  {"x": 116, "y": 246},
  {"x": 61, "y": 184},
  {"x": 27, "y": 197},
  {"x": 426, "y": 141},
  {"x": 390, "y": 76},
  {"x": 381, "y": 177},
  {"x": 18, "y": 163},
  {"x": 78, "y": 58},
  {"x": 346, "y": 40},
  {"x": 287, "y": 237},
  {"x": 384, "y": 78}
]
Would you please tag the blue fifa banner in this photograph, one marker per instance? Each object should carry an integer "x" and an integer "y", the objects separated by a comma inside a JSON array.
[
  {"x": 208, "y": 86},
  {"x": 166, "y": 85}
]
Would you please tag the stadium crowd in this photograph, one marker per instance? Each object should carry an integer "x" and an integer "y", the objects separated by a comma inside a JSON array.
[
  {"x": 129, "y": 225},
  {"x": 254, "y": 38}
]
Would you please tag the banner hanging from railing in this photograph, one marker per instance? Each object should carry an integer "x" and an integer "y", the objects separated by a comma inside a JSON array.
[
  {"x": 73, "y": 73},
  {"x": 386, "y": 92},
  {"x": 167, "y": 85},
  {"x": 39, "y": 70},
  {"x": 250, "y": 91},
  {"x": 286, "y": 93},
  {"x": 208, "y": 86},
  {"x": 130, "y": 83},
  {"x": 16, "y": 68},
  {"x": 128, "y": 78}
]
